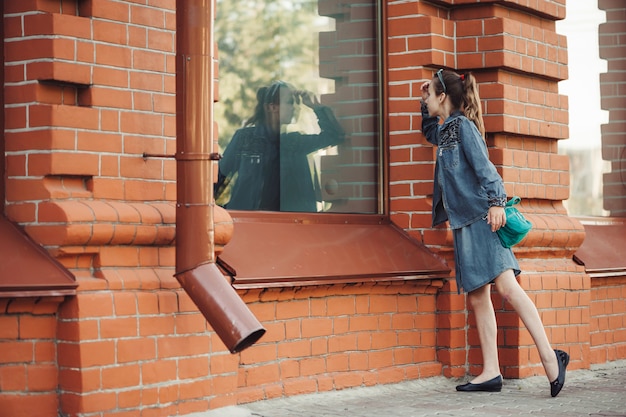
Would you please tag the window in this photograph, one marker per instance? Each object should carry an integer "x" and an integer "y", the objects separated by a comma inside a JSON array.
[
  {"x": 584, "y": 147},
  {"x": 306, "y": 214},
  {"x": 298, "y": 105},
  {"x": 597, "y": 144}
]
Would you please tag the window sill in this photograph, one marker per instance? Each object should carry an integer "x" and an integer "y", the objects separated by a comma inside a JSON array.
[
  {"x": 27, "y": 270},
  {"x": 602, "y": 251},
  {"x": 297, "y": 249}
]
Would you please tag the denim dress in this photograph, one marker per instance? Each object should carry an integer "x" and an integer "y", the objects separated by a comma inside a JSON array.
[{"x": 466, "y": 185}]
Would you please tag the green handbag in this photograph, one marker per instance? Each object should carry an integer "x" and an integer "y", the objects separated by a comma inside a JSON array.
[{"x": 516, "y": 227}]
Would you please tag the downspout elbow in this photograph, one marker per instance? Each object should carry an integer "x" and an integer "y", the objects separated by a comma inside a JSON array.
[{"x": 218, "y": 302}]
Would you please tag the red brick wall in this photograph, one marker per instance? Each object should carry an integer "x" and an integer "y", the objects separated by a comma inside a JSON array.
[
  {"x": 338, "y": 337},
  {"x": 147, "y": 347},
  {"x": 612, "y": 91},
  {"x": 607, "y": 328},
  {"x": 28, "y": 357},
  {"x": 84, "y": 105}
]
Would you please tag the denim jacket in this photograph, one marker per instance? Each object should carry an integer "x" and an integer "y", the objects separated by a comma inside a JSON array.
[
  {"x": 273, "y": 173},
  {"x": 466, "y": 183}
]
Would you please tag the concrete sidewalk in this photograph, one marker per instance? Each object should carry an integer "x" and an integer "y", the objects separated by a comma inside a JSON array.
[{"x": 600, "y": 391}]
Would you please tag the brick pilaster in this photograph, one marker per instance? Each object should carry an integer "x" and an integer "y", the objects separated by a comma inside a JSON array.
[
  {"x": 518, "y": 60},
  {"x": 612, "y": 85}
]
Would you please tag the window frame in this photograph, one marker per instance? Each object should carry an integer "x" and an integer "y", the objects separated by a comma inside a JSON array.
[{"x": 380, "y": 222}]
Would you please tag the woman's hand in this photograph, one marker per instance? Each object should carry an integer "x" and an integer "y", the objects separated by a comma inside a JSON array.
[
  {"x": 424, "y": 89},
  {"x": 308, "y": 98},
  {"x": 496, "y": 217}
]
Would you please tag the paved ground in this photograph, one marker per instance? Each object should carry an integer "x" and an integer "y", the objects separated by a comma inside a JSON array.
[{"x": 599, "y": 392}]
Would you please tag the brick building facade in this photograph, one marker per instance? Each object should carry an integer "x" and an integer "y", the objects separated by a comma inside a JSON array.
[
  {"x": 90, "y": 90},
  {"x": 613, "y": 50}
]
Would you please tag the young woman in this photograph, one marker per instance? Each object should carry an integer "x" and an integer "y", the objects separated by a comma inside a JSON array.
[
  {"x": 268, "y": 169},
  {"x": 469, "y": 193}
]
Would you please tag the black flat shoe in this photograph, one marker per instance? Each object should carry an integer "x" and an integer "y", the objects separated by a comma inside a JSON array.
[
  {"x": 557, "y": 385},
  {"x": 493, "y": 385}
]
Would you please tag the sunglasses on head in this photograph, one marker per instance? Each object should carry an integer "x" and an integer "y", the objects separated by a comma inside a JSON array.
[
  {"x": 273, "y": 91},
  {"x": 440, "y": 76}
]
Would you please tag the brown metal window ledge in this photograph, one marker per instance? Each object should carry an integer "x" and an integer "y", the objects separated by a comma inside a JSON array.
[
  {"x": 602, "y": 251},
  {"x": 296, "y": 249},
  {"x": 27, "y": 270}
]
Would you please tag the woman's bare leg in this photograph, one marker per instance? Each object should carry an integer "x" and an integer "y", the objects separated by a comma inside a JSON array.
[
  {"x": 480, "y": 300},
  {"x": 511, "y": 291}
]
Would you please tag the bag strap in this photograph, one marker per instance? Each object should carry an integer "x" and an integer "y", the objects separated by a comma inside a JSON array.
[{"x": 513, "y": 201}]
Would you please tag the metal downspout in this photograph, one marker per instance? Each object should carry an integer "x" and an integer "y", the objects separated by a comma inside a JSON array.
[{"x": 196, "y": 270}]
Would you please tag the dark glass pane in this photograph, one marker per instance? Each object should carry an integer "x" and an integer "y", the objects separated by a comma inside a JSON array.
[{"x": 298, "y": 105}]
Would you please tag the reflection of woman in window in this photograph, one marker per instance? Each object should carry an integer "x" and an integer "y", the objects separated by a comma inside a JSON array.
[{"x": 265, "y": 169}]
